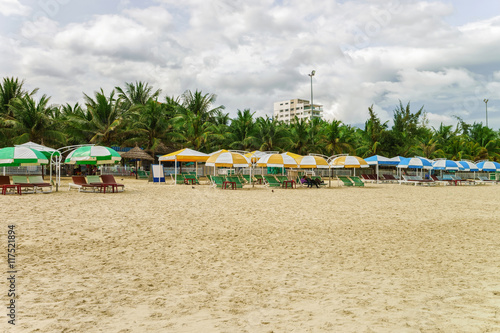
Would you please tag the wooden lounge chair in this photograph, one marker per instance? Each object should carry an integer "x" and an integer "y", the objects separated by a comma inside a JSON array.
[
  {"x": 271, "y": 181},
  {"x": 345, "y": 181},
  {"x": 110, "y": 179},
  {"x": 357, "y": 181},
  {"x": 5, "y": 186},
  {"x": 25, "y": 186},
  {"x": 40, "y": 185},
  {"x": 80, "y": 183}
]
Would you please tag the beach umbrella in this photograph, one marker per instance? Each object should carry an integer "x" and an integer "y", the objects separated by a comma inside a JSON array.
[
  {"x": 255, "y": 155},
  {"x": 21, "y": 156},
  {"x": 296, "y": 157},
  {"x": 414, "y": 163},
  {"x": 184, "y": 155},
  {"x": 137, "y": 153},
  {"x": 380, "y": 160},
  {"x": 467, "y": 166},
  {"x": 47, "y": 151},
  {"x": 488, "y": 166},
  {"x": 94, "y": 155},
  {"x": 277, "y": 160},
  {"x": 446, "y": 165},
  {"x": 348, "y": 161},
  {"x": 312, "y": 162},
  {"x": 228, "y": 159},
  {"x": 282, "y": 161}
]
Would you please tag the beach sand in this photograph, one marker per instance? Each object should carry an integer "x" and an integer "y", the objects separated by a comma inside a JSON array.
[{"x": 160, "y": 258}]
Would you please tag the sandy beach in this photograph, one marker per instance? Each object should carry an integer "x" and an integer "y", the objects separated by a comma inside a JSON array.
[{"x": 161, "y": 258}]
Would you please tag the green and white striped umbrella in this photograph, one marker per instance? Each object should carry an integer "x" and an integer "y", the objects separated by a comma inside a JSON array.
[
  {"x": 93, "y": 155},
  {"x": 21, "y": 156}
]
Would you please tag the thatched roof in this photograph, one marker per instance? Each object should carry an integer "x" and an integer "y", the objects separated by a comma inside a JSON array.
[{"x": 136, "y": 153}]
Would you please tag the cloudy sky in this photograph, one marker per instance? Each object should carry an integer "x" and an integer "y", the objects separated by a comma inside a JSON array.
[{"x": 443, "y": 55}]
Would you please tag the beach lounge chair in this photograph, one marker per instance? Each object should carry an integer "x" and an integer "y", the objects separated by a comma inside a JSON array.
[
  {"x": 236, "y": 180},
  {"x": 345, "y": 181},
  {"x": 180, "y": 178},
  {"x": 247, "y": 179},
  {"x": 80, "y": 183},
  {"x": 110, "y": 179},
  {"x": 190, "y": 179},
  {"x": 217, "y": 181},
  {"x": 357, "y": 181},
  {"x": 281, "y": 178},
  {"x": 25, "y": 186},
  {"x": 486, "y": 180},
  {"x": 390, "y": 178},
  {"x": 5, "y": 186},
  {"x": 366, "y": 178},
  {"x": 40, "y": 185},
  {"x": 259, "y": 178},
  {"x": 319, "y": 180},
  {"x": 271, "y": 181},
  {"x": 141, "y": 174}
]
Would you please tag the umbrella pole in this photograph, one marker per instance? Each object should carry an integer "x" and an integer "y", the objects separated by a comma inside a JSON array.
[
  {"x": 329, "y": 176},
  {"x": 175, "y": 170},
  {"x": 377, "y": 173},
  {"x": 136, "y": 171}
]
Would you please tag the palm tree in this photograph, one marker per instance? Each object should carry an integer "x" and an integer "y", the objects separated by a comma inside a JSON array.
[
  {"x": 136, "y": 94},
  {"x": 10, "y": 89},
  {"x": 105, "y": 117},
  {"x": 299, "y": 134},
  {"x": 336, "y": 137},
  {"x": 243, "y": 131},
  {"x": 31, "y": 121},
  {"x": 272, "y": 134},
  {"x": 200, "y": 105},
  {"x": 150, "y": 125}
]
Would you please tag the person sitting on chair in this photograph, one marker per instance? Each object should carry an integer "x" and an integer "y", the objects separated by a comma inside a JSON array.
[{"x": 308, "y": 180}]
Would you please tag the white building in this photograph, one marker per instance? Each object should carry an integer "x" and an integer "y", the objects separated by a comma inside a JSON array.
[{"x": 287, "y": 110}]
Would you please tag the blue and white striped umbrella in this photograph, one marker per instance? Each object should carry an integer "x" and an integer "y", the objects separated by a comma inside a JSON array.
[
  {"x": 414, "y": 163},
  {"x": 447, "y": 165},
  {"x": 488, "y": 166},
  {"x": 380, "y": 160},
  {"x": 467, "y": 166}
]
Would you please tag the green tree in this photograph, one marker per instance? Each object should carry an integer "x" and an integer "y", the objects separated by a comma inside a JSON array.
[{"x": 31, "y": 121}]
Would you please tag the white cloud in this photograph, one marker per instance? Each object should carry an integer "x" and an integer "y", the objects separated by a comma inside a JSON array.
[
  {"x": 364, "y": 52},
  {"x": 13, "y": 7}
]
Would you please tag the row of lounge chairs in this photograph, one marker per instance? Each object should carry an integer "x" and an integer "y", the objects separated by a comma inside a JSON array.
[
  {"x": 351, "y": 181},
  {"x": 24, "y": 184},
  {"x": 100, "y": 184}
]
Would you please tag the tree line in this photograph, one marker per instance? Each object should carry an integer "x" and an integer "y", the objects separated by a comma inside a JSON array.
[{"x": 136, "y": 114}]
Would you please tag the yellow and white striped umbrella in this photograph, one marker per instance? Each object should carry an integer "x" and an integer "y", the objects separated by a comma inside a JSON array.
[
  {"x": 277, "y": 160},
  {"x": 349, "y": 162},
  {"x": 228, "y": 159},
  {"x": 184, "y": 155},
  {"x": 316, "y": 162},
  {"x": 255, "y": 155}
]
